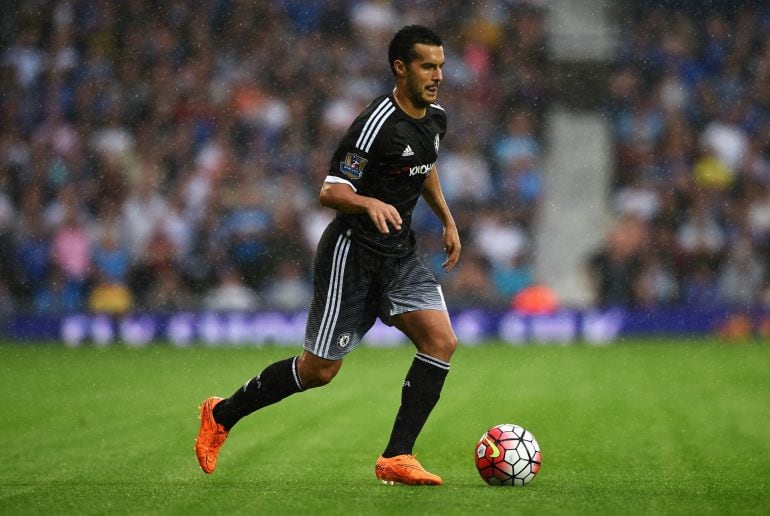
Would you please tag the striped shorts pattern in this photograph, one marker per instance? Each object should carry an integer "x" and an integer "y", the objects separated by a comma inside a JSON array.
[{"x": 348, "y": 297}]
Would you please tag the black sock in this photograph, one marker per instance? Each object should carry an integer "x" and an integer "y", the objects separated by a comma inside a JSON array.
[
  {"x": 420, "y": 393},
  {"x": 276, "y": 382}
]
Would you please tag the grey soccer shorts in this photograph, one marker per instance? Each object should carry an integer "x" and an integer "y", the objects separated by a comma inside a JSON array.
[{"x": 353, "y": 286}]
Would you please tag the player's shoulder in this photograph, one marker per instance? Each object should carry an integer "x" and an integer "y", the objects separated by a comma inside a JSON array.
[
  {"x": 437, "y": 108},
  {"x": 438, "y": 113},
  {"x": 378, "y": 107},
  {"x": 369, "y": 124}
]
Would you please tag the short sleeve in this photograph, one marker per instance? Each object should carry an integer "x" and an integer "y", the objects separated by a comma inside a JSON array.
[{"x": 355, "y": 154}]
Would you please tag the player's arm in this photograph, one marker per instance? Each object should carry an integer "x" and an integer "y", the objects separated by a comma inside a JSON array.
[
  {"x": 342, "y": 197},
  {"x": 431, "y": 192}
]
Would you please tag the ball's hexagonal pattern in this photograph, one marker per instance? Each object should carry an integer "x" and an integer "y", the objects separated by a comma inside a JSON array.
[{"x": 508, "y": 455}]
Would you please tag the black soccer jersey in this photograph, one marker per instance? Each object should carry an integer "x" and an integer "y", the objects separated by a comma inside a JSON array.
[{"x": 386, "y": 154}]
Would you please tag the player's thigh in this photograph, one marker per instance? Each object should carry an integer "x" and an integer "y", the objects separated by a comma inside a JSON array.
[
  {"x": 430, "y": 331},
  {"x": 415, "y": 304}
]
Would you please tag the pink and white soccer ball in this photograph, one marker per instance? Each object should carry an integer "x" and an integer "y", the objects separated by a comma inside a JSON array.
[{"x": 508, "y": 455}]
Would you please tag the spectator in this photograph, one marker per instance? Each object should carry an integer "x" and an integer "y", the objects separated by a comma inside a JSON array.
[
  {"x": 56, "y": 295},
  {"x": 111, "y": 261},
  {"x": 7, "y": 307},
  {"x": 511, "y": 278},
  {"x": 231, "y": 294},
  {"x": 472, "y": 286},
  {"x": 742, "y": 275},
  {"x": 288, "y": 288},
  {"x": 496, "y": 239},
  {"x": 518, "y": 142},
  {"x": 143, "y": 211},
  {"x": 700, "y": 289},
  {"x": 247, "y": 226},
  {"x": 169, "y": 294},
  {"x": 687, "y": 118},
  {"x": 614, "y": 268},
  {"x": 656, "y": 283},
  {"x": 160, "y": 260},
  {"x": 465, "y": 174},
  {"x": 185, "y": 131},
  {"x": 71, "y": 253},
  {"x": 109, "y": 296},
  {"x": 33, "y": 257},
  {"x": 700, "y": 235}
]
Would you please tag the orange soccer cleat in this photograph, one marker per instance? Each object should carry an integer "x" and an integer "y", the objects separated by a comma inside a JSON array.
[
  {"x": 404, "y": 469},
  {"x": 211, "y": 436}
]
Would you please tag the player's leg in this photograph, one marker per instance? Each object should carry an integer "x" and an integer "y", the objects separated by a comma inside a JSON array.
[
  {"x": 415, "y": 305},
  {"x": 334, "y": 289},
  {"x": 276, "y": 382},
  {"x": 431, "y": 332},
  {"x": 286, "y": 377}
]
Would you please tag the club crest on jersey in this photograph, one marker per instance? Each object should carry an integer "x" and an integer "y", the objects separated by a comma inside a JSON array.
[
  {"x": 436, "y": 142},
  {"x": 353, "y": 166}
]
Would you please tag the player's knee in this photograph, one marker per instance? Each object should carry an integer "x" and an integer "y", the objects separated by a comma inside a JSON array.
[
  {"x": 449, "y": 345},
  {"x": 319, "y": 375},
  {"x": 441, "y": 346},
  {"x": 325, "y": 376}
]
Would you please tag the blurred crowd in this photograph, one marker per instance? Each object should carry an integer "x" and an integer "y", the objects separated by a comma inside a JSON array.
[
  {"x": 689, "y": 103},
  {"x": 167, "y": 156}
]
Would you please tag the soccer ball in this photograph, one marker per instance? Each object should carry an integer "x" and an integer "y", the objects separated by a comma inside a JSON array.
[{"x": 508, "y": 455}]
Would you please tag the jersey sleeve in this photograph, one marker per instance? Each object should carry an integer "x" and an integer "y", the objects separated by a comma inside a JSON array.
[
  {"x": 355, "y": 153},
  {"x": 349, "y": 163}
]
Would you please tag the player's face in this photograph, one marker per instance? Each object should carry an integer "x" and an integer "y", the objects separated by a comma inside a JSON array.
[{"x": 424, "y": 74}]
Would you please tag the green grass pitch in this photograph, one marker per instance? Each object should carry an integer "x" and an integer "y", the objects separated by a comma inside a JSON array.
[{"x": 639, "y": 427}]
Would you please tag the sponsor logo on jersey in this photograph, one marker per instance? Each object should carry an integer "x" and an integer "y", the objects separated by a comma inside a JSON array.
[
  {"x": 353, "y": 166},
  {"x": 420, "y": 169},
  {"x": 407, "y": 151}
]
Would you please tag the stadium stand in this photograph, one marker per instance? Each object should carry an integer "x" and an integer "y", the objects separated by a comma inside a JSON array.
[
  {"x": 154, "y": 156},
  {"x": 158, "y": 156},
  {"x": 689, "y": 104}
]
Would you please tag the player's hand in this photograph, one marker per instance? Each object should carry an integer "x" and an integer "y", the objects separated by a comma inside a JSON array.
[
  {"x": 384, "y": 216},
  {"x": 452, "y": 248}
]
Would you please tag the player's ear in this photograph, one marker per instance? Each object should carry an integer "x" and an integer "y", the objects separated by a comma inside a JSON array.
[{"x": 400, "y": 67}]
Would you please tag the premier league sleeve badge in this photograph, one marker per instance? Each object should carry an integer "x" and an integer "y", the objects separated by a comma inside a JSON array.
[{"x": 353, "y": 166}]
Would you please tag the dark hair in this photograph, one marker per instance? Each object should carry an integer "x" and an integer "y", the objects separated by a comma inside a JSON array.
[{"x": 402, "y": 45}]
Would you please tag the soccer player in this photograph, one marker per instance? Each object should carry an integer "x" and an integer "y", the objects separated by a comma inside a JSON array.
[{"x": 366, "y": 266}]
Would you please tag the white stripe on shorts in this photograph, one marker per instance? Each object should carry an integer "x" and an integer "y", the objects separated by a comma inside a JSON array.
[
  {"x": 441, "y": 294},
  {"x": 333, "y": 298}
]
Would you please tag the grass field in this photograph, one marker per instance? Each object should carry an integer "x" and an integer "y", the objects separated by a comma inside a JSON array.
[{"x": 642, "y": 427}]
